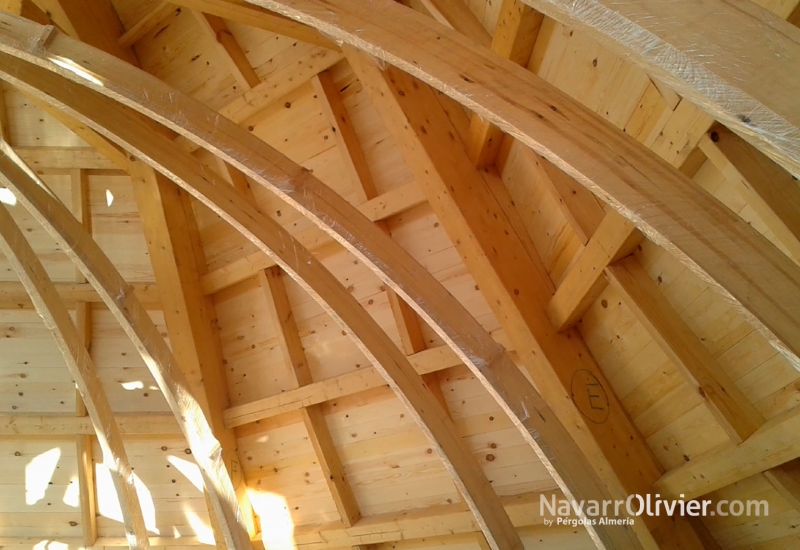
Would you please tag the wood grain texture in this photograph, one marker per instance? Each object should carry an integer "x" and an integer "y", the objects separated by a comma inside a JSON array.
[{"x": 661, "y": 201}]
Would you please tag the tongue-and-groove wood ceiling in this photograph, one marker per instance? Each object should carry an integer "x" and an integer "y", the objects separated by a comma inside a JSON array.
[{"x": 369, "y": 316}]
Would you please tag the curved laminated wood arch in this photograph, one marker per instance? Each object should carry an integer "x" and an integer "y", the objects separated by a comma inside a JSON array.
[
  {"x": 119, "y": 296},
  {"x": 210, "y": 188},
  {"x": 488, "y": 360},
  {"x": 51, "y": 309},
  {"x": 708, "y": 238}
]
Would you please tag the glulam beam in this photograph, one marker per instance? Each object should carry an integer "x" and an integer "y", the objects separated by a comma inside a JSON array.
[
  {"x": 487, "y": 360},
  {"x": 661, "y": 201},
  {"x": 26, "y": 264},
  {"x": 138, "y": 136},
  {"x": 515, "y": 285},
  {"x": 59, "y": 223}
]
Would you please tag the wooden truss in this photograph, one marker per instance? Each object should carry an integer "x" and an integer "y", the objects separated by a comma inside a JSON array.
[{"x": 448, "y": 151}]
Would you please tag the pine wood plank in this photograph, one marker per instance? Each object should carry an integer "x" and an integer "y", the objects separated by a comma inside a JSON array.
[
  {"x": 272, "y": 239},
  {"x": 772, "y": 192},
  {"x": 728, "y": 404},
  {"x": 657, "y": 198},
  {"x": 757, "y": 100},
  {"x": 583, "y": 282},
  {"x": 116, "y": 293},
  {"x": 280, "y": 311},
  {"x": 512, "y": 282},
  {"x": 215, "y": 28},
  {"x": 33, "y": 276}
]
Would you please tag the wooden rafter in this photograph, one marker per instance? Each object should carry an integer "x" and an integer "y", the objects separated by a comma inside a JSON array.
[
  {"x": 280, "y": 311},
  {"x": 173, "y": 244},
  {"x": 406, "y": 319},
  {"x": 119, "y": 298},
  {"x": 246, "y": 14},
  {"x": 148, "y": 22},
  {"x": 756, "y": 100},
  {"x": 425, "y": 362},
  {"x": 83, "y": 322},
  {"x": 14, "y": 296},
  {"x": 315, "y": 239},
  {"x": 139, "y": 137},
  {"x": 216, "y": 28},
  {"x": 73, "y": 349},
  {"x": 729, "y": 405},
  {"x": 513, "y": 282},
  {"x": 659, "y": 200},
  {"x": 58, "y": 426},
  {"x": 773, "y": 444},
  {"x": 615, "y": 238},
  {"x": 487, "y": 360},
  {"x": 514, "y": 37},
  {"x": 770, "y": 190}
]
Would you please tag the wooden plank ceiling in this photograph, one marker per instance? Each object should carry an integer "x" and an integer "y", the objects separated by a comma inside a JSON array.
[{"x": 316, "y": 448}]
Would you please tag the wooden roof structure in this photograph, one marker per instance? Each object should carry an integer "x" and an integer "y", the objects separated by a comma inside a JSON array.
[{"x": 325, "y": 274}]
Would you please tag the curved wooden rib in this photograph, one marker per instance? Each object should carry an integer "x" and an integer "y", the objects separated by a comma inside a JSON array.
[
  {"x": 743, "y": 73},
  {"x": 51, "y": 308},
  {"x": 708, "y": 238},
  {"x": 118, "y": 295},
  {"x": 488, "y": 361},
  {"x": 210, "y": 188}
]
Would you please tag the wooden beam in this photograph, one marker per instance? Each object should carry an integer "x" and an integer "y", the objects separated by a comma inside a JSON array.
[
  {"x": 112, "y": 152},
  {"x": 253, "y": 16},
  {"x": 581, "y": 208},
  {"x": 118, "y": 296},
  {"x": 786, "y": 480},
  {"x": 245, "y": 108},
  {"x": 583, "y": 282},
  {"x": 176, "y": 256},
  {"x": 457, "y": 15},
  {"x": 13, "y": 295},
  {"x": 83, "y": 323},
  {"x": 216, "y": 193},
  {"x": 315, "y": 239},
  {"x": 27, "y": 9},
  {"x": 64, "y": 159},
  {"x": 170, "y": 229},
  {"x": 726, "y": 401},
  {"x": 280, "y": 311},
  {"x": 514, "y": 37},
  {"x": 26, "y": 265},
  {"x": 96, "y": 23},
  {"x": 773, "y": 444},
  {"x": 230, "y": 50},
  {"x": 352, "y": 155},
  {"x": 631, "y": 179},
  {"x": 147, "y": 23},
  {"x": 756, "y": 100},
  {"x": 425, "y": 362},
  {"x": 407, "y": 321},
  {"x": 770, "y": 190},
  {"x": 515, "y": 285},
  {"x": 488, "y": 361},
  {"x": 417, "y": 524},
  {"x": 57, "y": 426}
]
